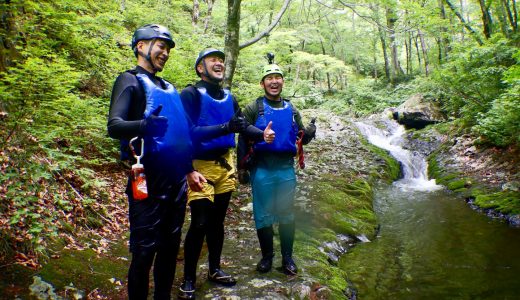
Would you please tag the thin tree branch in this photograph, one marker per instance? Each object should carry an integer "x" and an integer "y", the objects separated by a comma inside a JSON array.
[
  {"x": 269, "y": 29},
  {"x": 468, "y": 27}
]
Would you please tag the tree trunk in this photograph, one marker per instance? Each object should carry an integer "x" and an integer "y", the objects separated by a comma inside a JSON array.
[
  {"x": 418, "y": 52},
  {"x": 424, "y": 52},
  {"x": 374, "y": 45},
  {"x": 466, "y": 24},
  {"x": 8, "y": 34},
  {"x": 195, "y": 13},
  {"x": 502, "y": 17},
  {"x": 208, "y": 15},
  {"x": 515, "y": 14},
  {"x": 486, "y": 19},
  {"x": 356, "y": 55},
  {"x": 511, "y": 14},
  {"x": 328, "y": 74},
  {"x": 408, "y": 48},
  {"x": 382, "y": 38},
  {"x": 231, "y": 40},
  {"x": 385, "y": 52},
  {"x": 444, "y": 42},
  {"x": 391, "y": 19}
]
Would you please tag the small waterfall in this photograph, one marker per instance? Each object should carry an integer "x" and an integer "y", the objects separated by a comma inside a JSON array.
[{"x": 413, "y": 164}]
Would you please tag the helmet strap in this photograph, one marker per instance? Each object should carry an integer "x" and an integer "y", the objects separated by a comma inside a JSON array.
[
  {"x": 206, "y": 73},
  {"x": 148, "y": 56}
]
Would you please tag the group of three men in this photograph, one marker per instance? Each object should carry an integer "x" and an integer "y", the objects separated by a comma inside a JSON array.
[{"x": 188, "y": 142}]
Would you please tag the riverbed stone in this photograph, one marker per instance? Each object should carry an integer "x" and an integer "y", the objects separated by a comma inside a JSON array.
[{"x": 418, "y": 112}]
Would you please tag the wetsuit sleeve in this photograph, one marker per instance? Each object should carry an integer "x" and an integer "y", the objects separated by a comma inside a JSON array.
[
  {"x": 191, "y": 103},
  {"x": 307, "y": 134},
  {"x": 124, "y": 121},
  {"x": 250, "y": 113}
]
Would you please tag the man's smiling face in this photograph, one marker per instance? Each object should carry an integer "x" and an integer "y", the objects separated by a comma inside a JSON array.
[{"x": 273, "y": 85}]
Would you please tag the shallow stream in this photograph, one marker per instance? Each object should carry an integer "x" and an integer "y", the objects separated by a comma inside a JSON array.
[{"x": 431, "y": 244}]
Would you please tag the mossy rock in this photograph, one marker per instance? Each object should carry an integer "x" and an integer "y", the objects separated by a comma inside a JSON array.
[
  {"x": 457, "y": 184},
  {"x": 506, "y": 202},
  {"x": 86, "y": 269}
]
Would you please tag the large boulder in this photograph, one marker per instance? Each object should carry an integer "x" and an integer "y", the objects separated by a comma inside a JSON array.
[{"x": 417, "y": 112}]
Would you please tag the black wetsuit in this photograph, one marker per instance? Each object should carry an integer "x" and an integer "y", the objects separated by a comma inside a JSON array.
[{"x": 156, "y": 222}]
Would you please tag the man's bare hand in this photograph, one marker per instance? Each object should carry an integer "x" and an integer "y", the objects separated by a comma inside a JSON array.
[
  {"x": 195, "y": 181},
  {"x": 269, "y": 133}
]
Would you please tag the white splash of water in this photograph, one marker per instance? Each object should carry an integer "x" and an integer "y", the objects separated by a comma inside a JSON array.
[{"x": 413, "y": 164}]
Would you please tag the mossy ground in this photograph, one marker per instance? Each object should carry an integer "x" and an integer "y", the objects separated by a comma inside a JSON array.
[
  {"x": 471, "y": 186},
  {"x": 82, "y": 271}
]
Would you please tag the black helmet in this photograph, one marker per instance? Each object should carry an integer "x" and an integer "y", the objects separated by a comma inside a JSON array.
[
  {"x": 152, "y": 31},
  {"x": 207, "y": 52}
]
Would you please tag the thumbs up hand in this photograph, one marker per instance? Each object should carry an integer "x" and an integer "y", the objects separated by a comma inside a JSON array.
[
  {"x": 269, "y": 134},
  {"x": 155, "y": 125}
]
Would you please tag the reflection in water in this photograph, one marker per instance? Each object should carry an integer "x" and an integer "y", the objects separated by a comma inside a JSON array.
[{"x": 431, "y": 245}]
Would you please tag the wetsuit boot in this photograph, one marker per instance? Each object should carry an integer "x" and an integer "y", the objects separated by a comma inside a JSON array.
[
  {"x": 286, "y": 243},
  {"x": 215, "y": 240},
  {"x": 265, "y": 237}
]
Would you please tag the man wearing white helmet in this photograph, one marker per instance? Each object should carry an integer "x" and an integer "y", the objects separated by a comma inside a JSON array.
[{"x": 273, "y": 178}]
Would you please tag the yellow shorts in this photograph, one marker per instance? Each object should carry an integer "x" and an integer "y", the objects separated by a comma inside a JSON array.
[{"x": 219, "y": 179}]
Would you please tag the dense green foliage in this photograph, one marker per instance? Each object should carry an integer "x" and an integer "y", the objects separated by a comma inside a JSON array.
[{"x": 59, "y": 59}]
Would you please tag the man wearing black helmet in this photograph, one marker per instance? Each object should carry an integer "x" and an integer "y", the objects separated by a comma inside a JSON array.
[
  {"x": 145, "y": 106},
  {"x": 216, "y": 116}
]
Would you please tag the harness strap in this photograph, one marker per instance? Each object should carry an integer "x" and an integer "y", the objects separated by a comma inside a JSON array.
[
  {"x": 223, "y": 163},
  {"x": 260, "y": 104}
]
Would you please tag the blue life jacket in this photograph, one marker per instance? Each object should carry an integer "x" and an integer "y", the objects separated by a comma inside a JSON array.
[
  {"x": 215, "y": 112},
  {"x": 284, "y": 126},
  {"x": 174, "y": 148}
]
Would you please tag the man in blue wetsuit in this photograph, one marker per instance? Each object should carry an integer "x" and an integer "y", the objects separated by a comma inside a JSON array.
[
  {"x": 216, "y": 117},
  {"x": 147, "y": 106},
  {"x": 273, "y": 178}
]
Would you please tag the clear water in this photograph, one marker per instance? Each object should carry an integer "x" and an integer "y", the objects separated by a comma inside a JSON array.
[{"x": 431, "y": 244}]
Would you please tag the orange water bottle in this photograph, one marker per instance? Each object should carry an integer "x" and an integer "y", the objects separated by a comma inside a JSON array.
[{"x": 138, "y": 177}]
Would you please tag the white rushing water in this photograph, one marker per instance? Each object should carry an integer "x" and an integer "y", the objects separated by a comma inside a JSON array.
[{"x": 413, "y": 164}]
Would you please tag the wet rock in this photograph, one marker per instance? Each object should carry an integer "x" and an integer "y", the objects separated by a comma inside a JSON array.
[
  {"x": 514, "y": 220},
  {"x": 511, "y": 186},
  {"x": 42, "y": 290},
  {"x": 321, "y": 292},
  {"x": 362, "y": 238},
  {"x": 301, "y": 291},
  {"x": 417, "y": 112}
]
